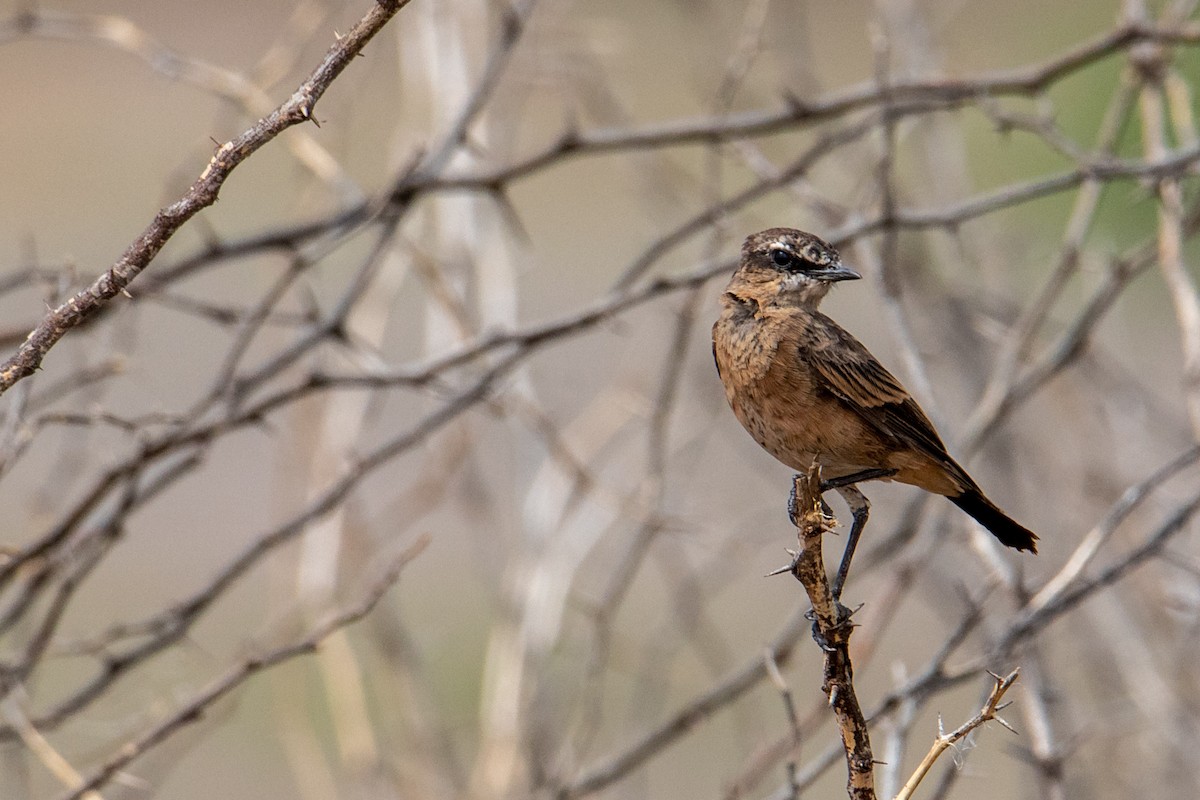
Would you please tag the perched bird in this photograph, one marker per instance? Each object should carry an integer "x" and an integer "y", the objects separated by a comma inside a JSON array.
[{"x": 806, "y": 389}]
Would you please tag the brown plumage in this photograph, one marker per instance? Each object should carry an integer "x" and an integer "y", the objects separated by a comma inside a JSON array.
[{"x": 806, "y": 389}]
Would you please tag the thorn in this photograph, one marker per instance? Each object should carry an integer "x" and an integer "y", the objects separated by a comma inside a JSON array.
[
  {"x": 1010, "y": 728},
  {"x": 795, "y": 556}
]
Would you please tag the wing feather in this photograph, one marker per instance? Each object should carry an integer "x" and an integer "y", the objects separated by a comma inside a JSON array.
[{"x": 856, "y": 377}]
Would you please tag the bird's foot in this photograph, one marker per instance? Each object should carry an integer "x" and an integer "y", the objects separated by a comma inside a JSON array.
[
  {"x": 839, "y": 631},
  {"x": 796, "y": 514}
]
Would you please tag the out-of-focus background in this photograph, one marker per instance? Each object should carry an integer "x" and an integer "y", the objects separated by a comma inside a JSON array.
[{"x": 469, "y": 312}]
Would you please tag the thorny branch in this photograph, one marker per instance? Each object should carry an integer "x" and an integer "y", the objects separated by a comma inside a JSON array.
[
  {"x": 831, "y": 629},
  {"x": 945, "y": 741}
]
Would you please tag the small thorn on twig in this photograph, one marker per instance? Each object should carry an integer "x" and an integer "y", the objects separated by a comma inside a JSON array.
[
  {"x": 1007, "y": 727},
  {"x": 791, "y": 566}
]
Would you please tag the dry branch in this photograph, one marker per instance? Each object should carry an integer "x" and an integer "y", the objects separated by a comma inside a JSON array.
[
  {"x": 945, "y": 740},
  {"x": 831, "y": 629}
]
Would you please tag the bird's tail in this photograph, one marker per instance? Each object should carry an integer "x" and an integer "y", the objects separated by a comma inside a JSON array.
[{"x": 1003, "y": 527}]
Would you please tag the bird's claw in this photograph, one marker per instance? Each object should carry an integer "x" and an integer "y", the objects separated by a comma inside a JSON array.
[{"x": 843, "y": 622}]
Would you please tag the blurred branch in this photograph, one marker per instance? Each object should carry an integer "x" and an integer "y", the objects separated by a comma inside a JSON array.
[
  {"x": 722, "y": 694},
  {"x": 168, "y": 627},
  {"x": 1154, "y": 113},
  {"x": 192, "y": 709},
  {"x": 789, "y": 706},
  {"x": 1091, "y": 543},
  {"x": 53, "y": 760},
  {"x": 203, "y": 193},
  {"x": 229, "y": 85}
]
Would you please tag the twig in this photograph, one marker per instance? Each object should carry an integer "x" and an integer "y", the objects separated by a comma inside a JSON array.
[
  {"x": 1154, "y": 110},
  {"x": 32, "y": 738},
  {"x": 944, "y": 740}
]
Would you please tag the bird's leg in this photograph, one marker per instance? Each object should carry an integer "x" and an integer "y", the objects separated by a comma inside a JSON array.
[
  {"x": 836, "y": 483},
  {"x": 856, "y": 477},
  {"x": 859, "y": 509}
]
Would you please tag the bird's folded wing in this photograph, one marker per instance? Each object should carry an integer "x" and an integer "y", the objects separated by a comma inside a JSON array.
[{"x": 855, "y": 377}]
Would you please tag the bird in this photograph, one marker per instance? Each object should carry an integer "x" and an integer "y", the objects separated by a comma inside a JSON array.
[{"x": 807, "y": 391}]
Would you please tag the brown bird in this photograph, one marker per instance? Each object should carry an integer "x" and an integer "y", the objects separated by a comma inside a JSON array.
[{"x": 806, "y": 389}]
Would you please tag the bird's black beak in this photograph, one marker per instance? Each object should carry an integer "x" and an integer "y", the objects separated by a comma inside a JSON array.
[{"x": 839, "y": 273}]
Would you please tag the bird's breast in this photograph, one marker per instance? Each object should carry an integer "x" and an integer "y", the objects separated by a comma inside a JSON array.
[
  {"x": 766, "y": 385},
  {"x": 779, "y": 399}
]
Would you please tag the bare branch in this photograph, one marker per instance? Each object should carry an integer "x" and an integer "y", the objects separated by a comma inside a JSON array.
[
  {"x": 832, "y": 629},
  {"x": 945, "y": 741}
]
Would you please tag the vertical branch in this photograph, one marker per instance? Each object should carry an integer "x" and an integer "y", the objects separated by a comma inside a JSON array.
[
  {"x": 1046, "y": 748},
  {"x": 831, "y": 629},
  {"x": 1152, "y": 61},
  {"x": 887, "y": 271}
]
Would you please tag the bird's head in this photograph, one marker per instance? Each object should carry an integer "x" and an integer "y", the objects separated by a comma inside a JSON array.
[{"x": 789, "y": 266}]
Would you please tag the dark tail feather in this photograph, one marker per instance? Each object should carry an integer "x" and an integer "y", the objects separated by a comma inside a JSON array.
[{"x": 1003, "y": 527}]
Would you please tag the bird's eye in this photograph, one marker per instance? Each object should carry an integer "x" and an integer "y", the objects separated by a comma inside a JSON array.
[{"x": 782, "y": 258}]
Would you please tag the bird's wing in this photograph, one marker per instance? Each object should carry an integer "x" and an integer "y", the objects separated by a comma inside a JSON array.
[{"x": 856, "y": 377}]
